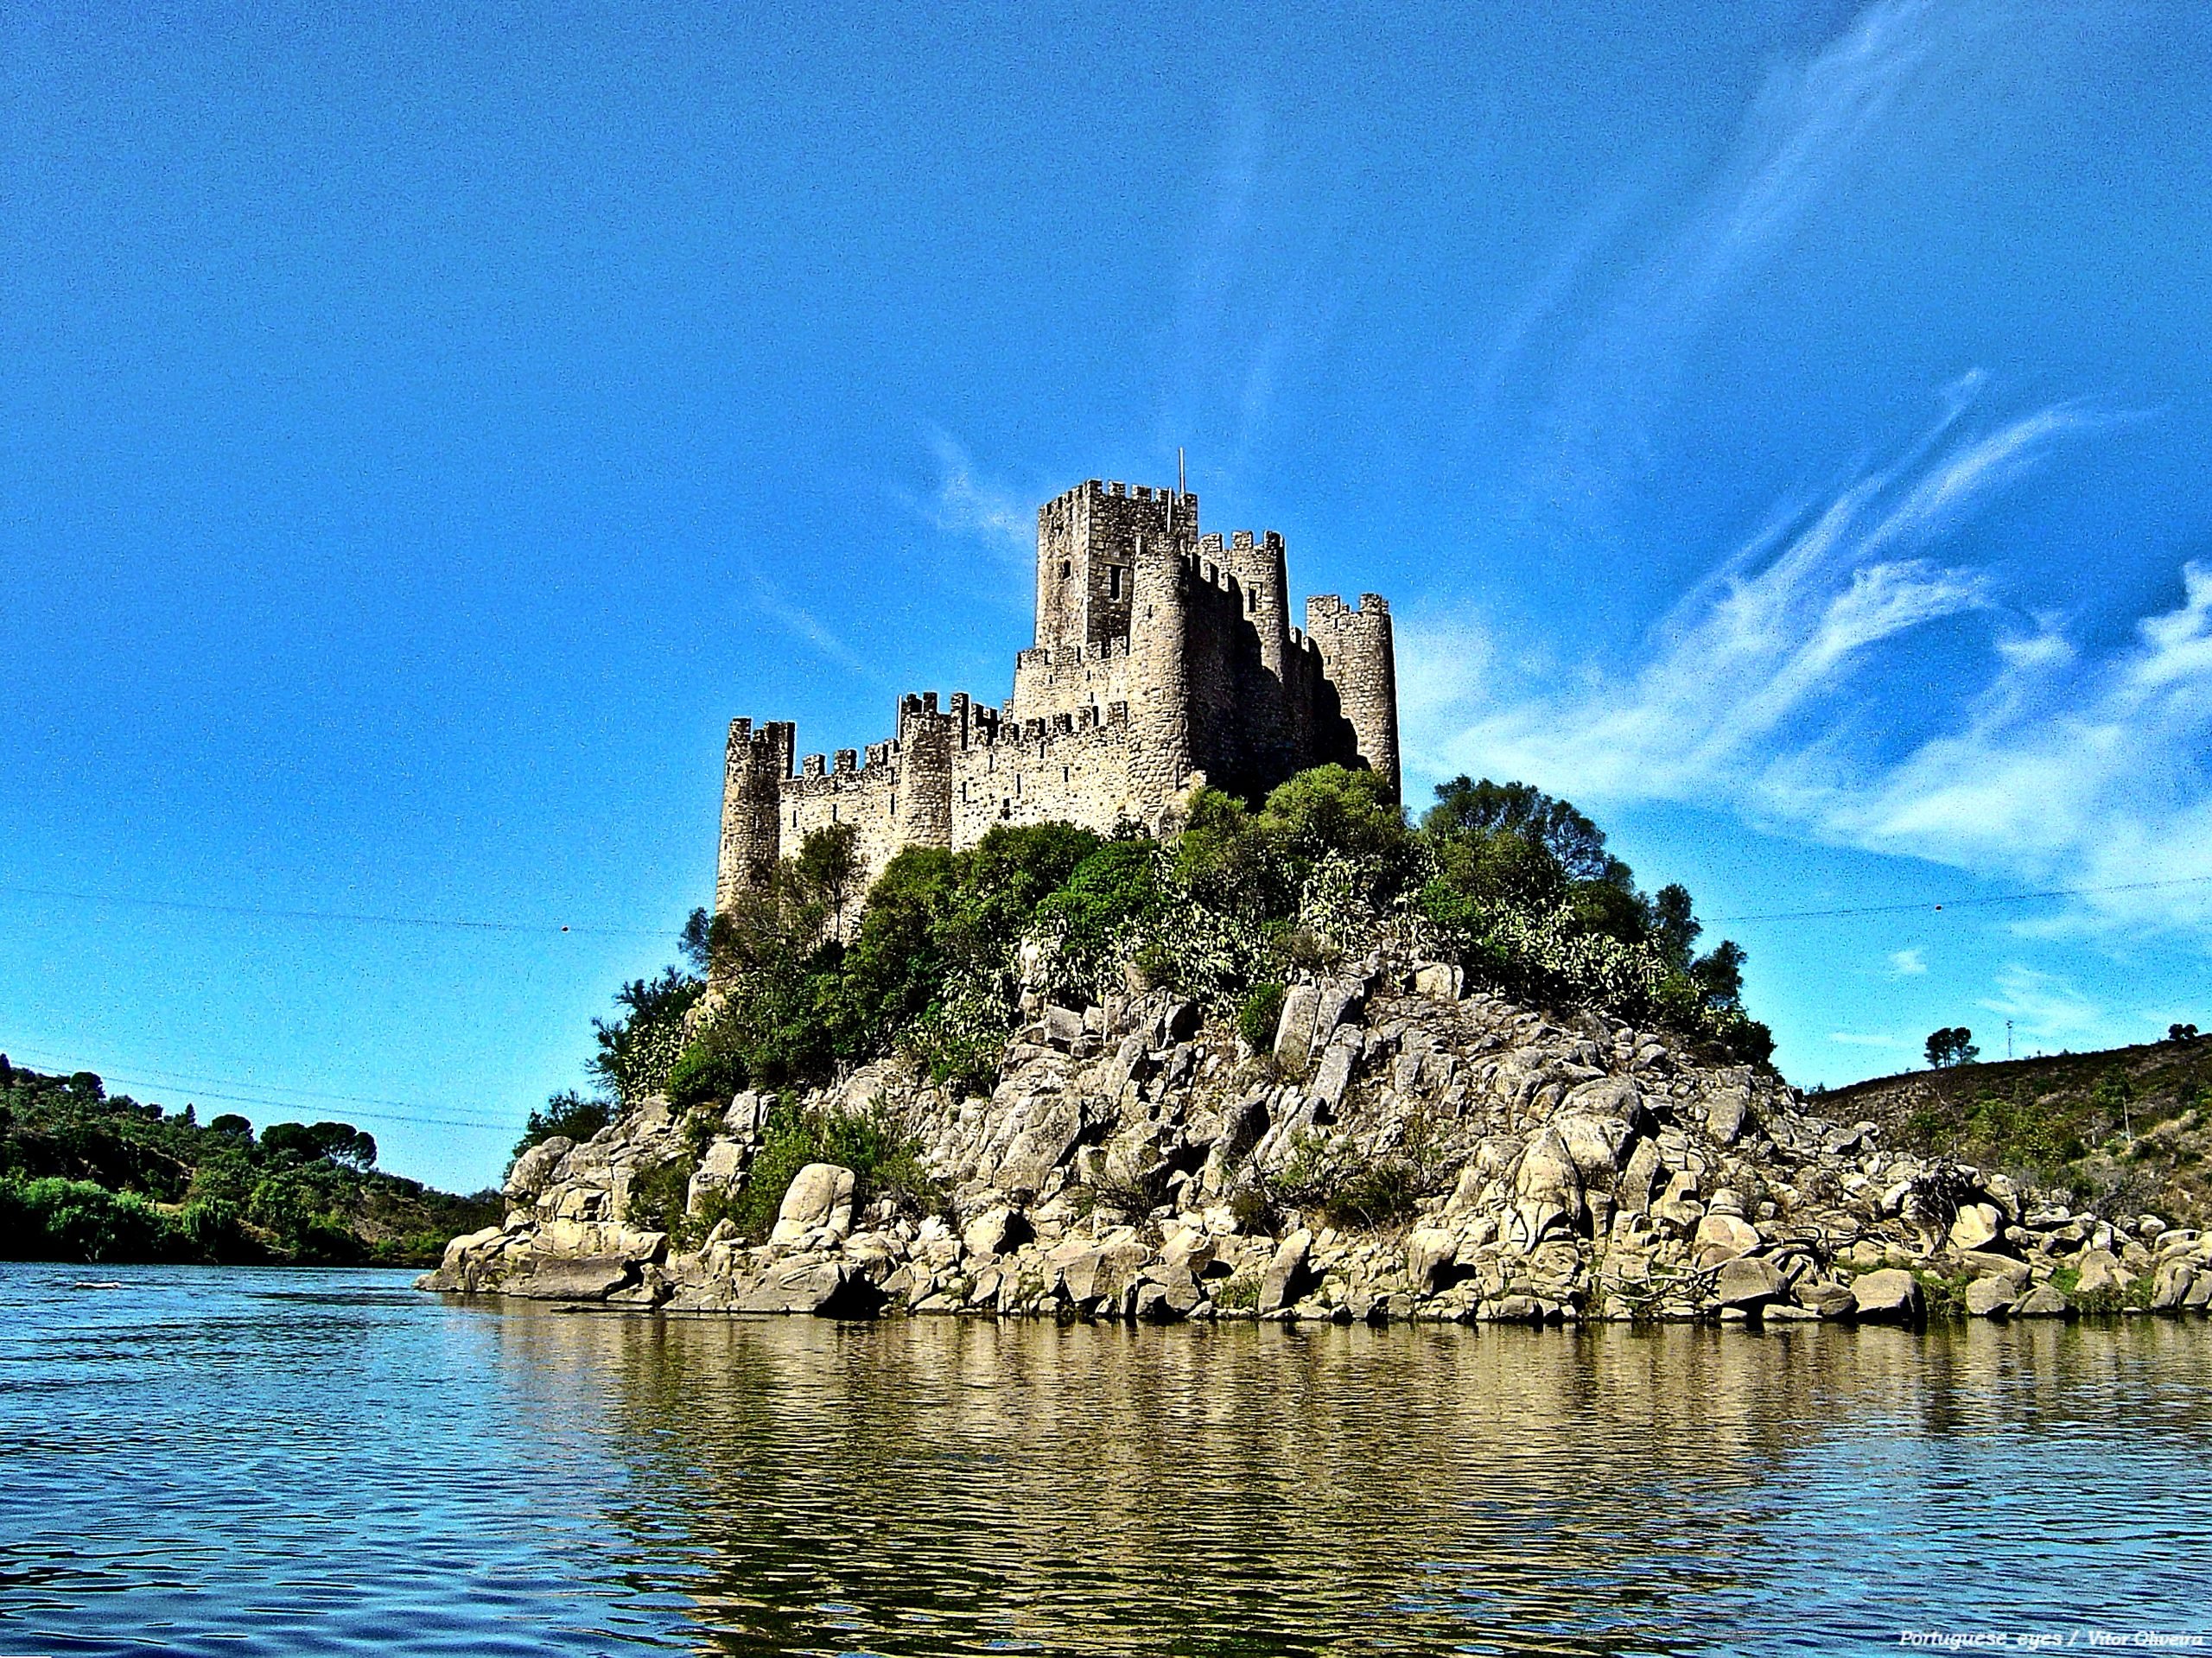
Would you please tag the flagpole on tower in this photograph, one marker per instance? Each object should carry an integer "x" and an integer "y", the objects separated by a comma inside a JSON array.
[{"x": 1180, "y": 490}]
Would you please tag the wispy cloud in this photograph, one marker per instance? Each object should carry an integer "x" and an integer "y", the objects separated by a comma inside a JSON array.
[
  {"x": 1857, "y": 1039},
  {"x": 1819, "y": 126},
  {"x": 1907, "y": 965},
  {"x": 2061, "y": 764},
  {"x": 1247, "y": 300},
  {"x": 983, "y": 511},
  {"x": 2043, "y": 1006},
  {"x": 768, "y": 599}
]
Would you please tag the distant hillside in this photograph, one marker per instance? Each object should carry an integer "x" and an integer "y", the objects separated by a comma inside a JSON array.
[
  {"x": 85, "y": 1176},
  {"x": 2126, "y": 1130}
]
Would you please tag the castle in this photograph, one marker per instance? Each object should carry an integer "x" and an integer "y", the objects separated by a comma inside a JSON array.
[{"x": 1160, "y": 653}]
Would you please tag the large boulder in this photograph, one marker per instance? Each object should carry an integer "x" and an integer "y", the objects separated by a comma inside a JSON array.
[
  {"x": 2098, "y": 1272},
  {"x": 1991, "y": 1298},
  {"x": 821, "y": 1195},
  {"x": 1598, "y": 1144},
  {"x": 1548, "y": 1173},
  {"x": 1432, "y": 1256},
  {"x": 2043, "y": 1302},
  {"x": 1721, "y": 1236},
  {"x": 591, "y": 1278},
  {"x": 1890, "y": 1296},
  {"x": 1977, "y": 1226},
  {"x": 1287, "y": 1272},
  {"x": 997, "y": 1232},
  {"x": 1728, "y": 1113},
  {"x": 1747, "y": 1282},
  {"x": 2170, "y": 1290},
  {"x": 1294, "y": 1026},
  {"x": 533, "y": 1169},
  {"x": 815, "y": 1284}
]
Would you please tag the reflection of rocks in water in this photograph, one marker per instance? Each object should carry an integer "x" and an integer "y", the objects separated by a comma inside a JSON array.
[{"x": 1096, "y": 1489}]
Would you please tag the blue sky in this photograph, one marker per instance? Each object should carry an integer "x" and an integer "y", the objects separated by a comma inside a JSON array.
[{"x": 1781, "y": 428}]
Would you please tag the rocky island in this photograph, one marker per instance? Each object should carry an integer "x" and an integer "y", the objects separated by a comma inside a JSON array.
[
  {"x": 1136, "y": 1160},
  {"x": 1027, "y": 1016}
]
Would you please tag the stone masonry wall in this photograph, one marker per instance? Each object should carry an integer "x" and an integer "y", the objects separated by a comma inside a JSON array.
[{"x": 1160, "y": 653}]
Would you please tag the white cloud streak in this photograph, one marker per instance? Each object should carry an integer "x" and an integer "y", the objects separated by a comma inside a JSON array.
[
  {"x": 979, "y": 510},
  {"x": 2068, "y": 766}
]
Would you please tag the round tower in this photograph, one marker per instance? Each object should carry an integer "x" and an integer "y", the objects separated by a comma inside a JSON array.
[
  {"x": 754, "y": 766},
  {"x": 1359, "y": 660}
]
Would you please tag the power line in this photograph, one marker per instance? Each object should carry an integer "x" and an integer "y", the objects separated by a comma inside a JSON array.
[
  {"x": 347, "y": 916},
  {"x": 1964, "y": 903},
  {"x": 165, "y": 1081}
]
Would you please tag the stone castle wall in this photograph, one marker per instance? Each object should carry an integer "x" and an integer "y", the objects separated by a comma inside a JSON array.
[{"x": 1160, "y": 653}]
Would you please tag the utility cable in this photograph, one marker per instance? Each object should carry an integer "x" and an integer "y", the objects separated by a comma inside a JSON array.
[
  {"x": 1960, "y": 903},
  {"x": 204, "y": 1087},
  {"x": 347, "y": 916}
]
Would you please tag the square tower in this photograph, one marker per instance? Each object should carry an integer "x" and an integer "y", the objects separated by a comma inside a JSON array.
[{"x": 1087, "y": 543}]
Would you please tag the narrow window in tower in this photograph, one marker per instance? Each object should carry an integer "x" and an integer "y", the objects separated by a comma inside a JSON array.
[
  {"x": 1252, "y": 599},
  {"x": 1066, "y": 567},
  {"x": 1114, "y": 582},
  {"x": 1017, "y": 786},
  {"x": 1064, "y": 774}
]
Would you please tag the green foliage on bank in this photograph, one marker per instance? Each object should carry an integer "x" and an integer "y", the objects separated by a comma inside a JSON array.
[
  {"x": 87, "y": 1176},
  {"x": 1518, "y": 887},
  {"x": 2120, "y": 1131}
]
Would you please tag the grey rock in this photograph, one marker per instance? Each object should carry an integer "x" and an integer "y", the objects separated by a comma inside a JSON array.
[
  {"x": 2100, "y": 1274},
  {"x": 1287, "y": 1274},
  {"x": 1294, "y": 1026},
  {"x": 533, "y": 1169},
  {"x": 2170, "y": 1290},
  {"x": 590, "y": 1278},
  {"x": 1890, "y": 1296},
  {"x": 1977, "y": 1226},
  {"x": 1727, "y": 1112},
  {"x": 1826, "y": 1297},
  {"x": 2043, "y": 1302},
  {"x": 997, "y": 1232},
  {"x": 1991, "y": 1298},
  {"x": 821, "y": 1195},
  {"x": 1747, "y": 1282},
  {"x": 815, "y": 1284}
]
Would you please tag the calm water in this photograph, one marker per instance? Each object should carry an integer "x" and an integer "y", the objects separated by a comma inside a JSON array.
[{"x": 238, "y": 1462}]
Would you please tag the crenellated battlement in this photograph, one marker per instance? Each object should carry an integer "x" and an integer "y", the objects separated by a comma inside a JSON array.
[{"x": 1161, "y": 654}]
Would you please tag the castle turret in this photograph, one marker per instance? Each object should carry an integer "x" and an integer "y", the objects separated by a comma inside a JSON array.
[
  {"x": 1361, "y": 662},
  {"x": 1086, "y": 553},
  {"x": 754, "y": 766},
  {"x": 922, "y": 809},
  {"x": 1160, "y": 671}
]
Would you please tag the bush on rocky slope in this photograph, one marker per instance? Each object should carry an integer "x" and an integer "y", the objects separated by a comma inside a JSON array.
[{"x": 1515, "y": 886}]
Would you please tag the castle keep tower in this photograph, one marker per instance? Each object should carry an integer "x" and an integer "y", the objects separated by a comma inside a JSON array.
[{"x": 1161, "y": 654}]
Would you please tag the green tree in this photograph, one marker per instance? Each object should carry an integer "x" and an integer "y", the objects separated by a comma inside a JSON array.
[
  {"x": 1951, "y": 1044},
  {"x": 829, "y": 868}
]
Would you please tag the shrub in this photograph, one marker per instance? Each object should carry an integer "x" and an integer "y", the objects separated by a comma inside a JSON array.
[
  {"x": 884, "y": 1162},
  {"x": 1258, "y": 1015},
  {"x": 568, "y": 1114},
  {"x": 1329, "y": 1179}
]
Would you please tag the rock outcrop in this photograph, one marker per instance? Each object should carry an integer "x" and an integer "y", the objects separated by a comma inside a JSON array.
[{"x": 1398, "y": 1152}]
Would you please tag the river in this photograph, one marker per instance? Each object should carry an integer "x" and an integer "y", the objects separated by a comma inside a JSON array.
[{"x": 242, "y": 1461}]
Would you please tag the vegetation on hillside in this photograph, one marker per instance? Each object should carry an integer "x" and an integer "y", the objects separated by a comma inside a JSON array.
[
  {"x": 87, "y": 1176},
  {"x": 1514, "y": 886},
  {"x": 2123, "y": 1131}
]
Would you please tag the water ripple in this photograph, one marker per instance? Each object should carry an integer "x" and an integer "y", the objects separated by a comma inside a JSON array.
[{"x": 211, "y": 1461}]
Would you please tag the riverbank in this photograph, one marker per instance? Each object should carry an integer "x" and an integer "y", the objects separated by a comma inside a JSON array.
[{"x": 1398, "y": 1151}]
